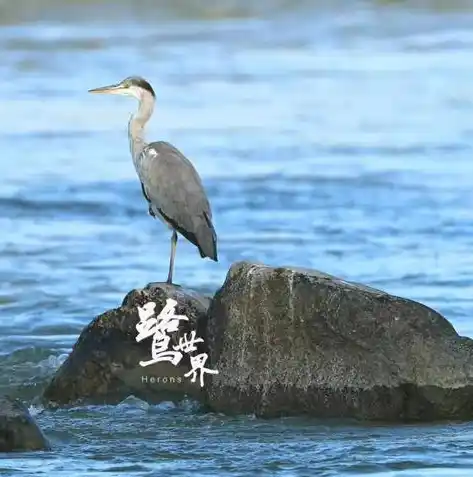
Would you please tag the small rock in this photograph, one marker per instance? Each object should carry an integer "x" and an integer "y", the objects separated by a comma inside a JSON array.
[
  {"x": 18, "y": 430},
  {"x": 103, "y": 366},
  {"x": 294, "y": 342}
]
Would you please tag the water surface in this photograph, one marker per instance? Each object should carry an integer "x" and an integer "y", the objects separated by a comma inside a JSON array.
[{"x": 330, "y": 135}]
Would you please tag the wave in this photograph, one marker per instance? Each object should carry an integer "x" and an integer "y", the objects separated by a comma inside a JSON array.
[{"x": 26, "y": 372}]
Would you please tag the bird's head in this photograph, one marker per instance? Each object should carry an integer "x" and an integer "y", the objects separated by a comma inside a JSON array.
[{"x": 131, "y": 86}]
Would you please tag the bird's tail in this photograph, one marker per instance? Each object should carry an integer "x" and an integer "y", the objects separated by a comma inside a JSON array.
[{"x": 207, "y": 239}]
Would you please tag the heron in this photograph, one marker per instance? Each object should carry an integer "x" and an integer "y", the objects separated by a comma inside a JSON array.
[{"x": 170, "y": 184}]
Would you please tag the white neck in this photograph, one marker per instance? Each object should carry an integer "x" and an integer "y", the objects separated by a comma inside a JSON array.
[{"x": 136, "y": 135}]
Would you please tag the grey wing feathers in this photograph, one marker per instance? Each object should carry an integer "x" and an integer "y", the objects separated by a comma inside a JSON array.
[
  {"x": 171, "y": 184},
  {"x": 151, "y": 211}
]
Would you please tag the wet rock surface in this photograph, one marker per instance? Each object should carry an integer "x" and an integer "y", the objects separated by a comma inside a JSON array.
[
  {"x": 103, "y": 366},
  {"x": 18, "y": 429},
  {"x": 293, "y": 342}
]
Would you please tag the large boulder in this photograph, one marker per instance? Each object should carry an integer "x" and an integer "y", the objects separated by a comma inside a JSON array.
[
  {"x": 18, "y": 430},
  {"x": 289, "y": 341},
  {"x": 104, "y": 365}
]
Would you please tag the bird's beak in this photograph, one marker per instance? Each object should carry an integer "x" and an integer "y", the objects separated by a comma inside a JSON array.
[{"x": 112, "y": 89}]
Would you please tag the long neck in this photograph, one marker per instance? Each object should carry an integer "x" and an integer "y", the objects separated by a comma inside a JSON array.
[{"x": 136, "y": 135}]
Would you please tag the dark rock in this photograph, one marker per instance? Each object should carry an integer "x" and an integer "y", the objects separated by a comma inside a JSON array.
[
  {"x": 18, "y": 430},
  {"x": 293, "y": 342},
  {"x": 103, "y": 366}
]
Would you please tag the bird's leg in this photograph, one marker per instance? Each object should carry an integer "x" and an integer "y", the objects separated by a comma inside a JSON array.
[{"x": 173, "y": 253}]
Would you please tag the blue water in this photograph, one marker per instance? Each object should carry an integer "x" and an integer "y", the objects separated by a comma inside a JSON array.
[{"x": 332, "y": 135}]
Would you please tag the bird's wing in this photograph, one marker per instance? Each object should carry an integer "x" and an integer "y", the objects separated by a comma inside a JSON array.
[{"x": 174, "y": 188}]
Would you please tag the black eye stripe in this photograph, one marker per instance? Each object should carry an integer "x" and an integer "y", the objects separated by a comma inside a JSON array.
[{"x": 138, "y": 81}]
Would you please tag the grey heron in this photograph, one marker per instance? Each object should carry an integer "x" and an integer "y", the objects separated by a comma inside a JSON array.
[{"x": 169, "y": 182}]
